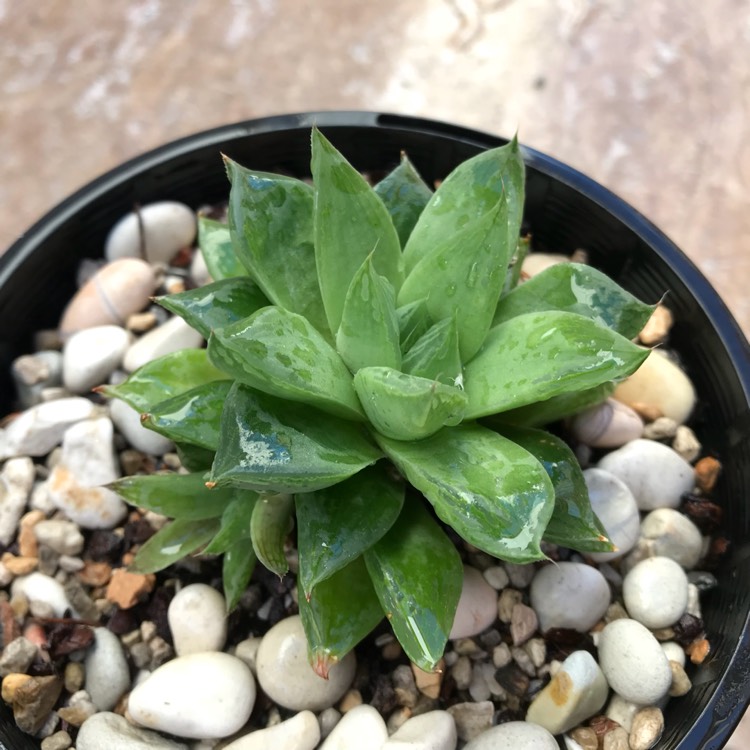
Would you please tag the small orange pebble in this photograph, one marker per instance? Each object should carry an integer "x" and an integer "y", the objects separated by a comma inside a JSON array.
[
  {"x": 127, "y": 558},
  {"x": 19, "y": 566},
  {"x": 648, "y": 412},
  {"x": 95, "y": 573},
  {"x": 428, "y": 683},
  {"x": 34, "y": 632},
  {"x": 698, "y": 650},
  {"x": 11, "y": 683},
  {"x": 126, "y": 589},
  {"x": 27, "y": 543},
  {"x": 707, "y": 471}
]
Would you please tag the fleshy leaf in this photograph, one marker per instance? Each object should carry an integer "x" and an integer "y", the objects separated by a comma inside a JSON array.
[
  {"x": 280, "y": 353},
  {"x": 405, "y": 194},
  {"x": 235, "y": 522},
  {"x": 182, "y": 496},
  {"x": 407, "y": 407},
  {"x": 337, "y": 524},
  {"x": 165, "y": 377},
  {"x": 269, "y": 527},
  {"x": 413, "y": 322},
  {"x": 464, "y": 275},
  {"x": 494, "y": 493},
  {"x": 516, "y": 264},
  {"x": 215, "y": 244},
  {"x": 279, "y": 446},
  {"x": 237, "y": 567},
  {"x": 194, "y": 458},
  {"x": 350, "y": 222},
  {"x": 417, "y": 575},
  {"x": 271, "y": 220},
  {"x": 171, "y": 543},
  {"x": 576, "y": 288},
  {"x": 435, "y": 355},
  {"x": 191, "y": 417},
  {"x": 215, "y": 305},
  {"x": 536, "y": 356},
  {"x": 369, "y": 333},
  {"x": 341, "y": 612},
  {"x": 467, "y": 193},
  {"x": 573, "y": 523}
]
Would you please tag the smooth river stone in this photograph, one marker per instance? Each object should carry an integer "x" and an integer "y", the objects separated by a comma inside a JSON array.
[
  {"x": 655, "y": 474},
  {"x": 114, "y": 732},
  {"x": 107, "y": 672},
  {"x": 576, "y": 692},
  {"x": 633, "y": 662},
  {"x": 92, "y": 355},
  {"x": 301, "y": 732},
  {"x": 197, "y": 617},
  {"x": 569, "y": 595},
  {"x": 16, "y": 483},
  {"x": 128, "y": 422},
  {"x": 614, "y": 504},
  {"x": 514, "y": 735},
  {"x": 159, "y": 229},
  {"x": 201, "y": 696},
  {"x": 37, "y": 587},
  {"x": 607, "y": 425},
  {"x": 114, "y": 292},
  {"x": 169, "y": 337},
  {"x": 477, "y": 606},
  {"x": 435, "y": 730},
  {"x": 659, "y": 383},
  {"x": 362, "y": 727},
  {"x": 666, "y": 532},
  {"x": 655, "y": 592},
  {"x": 286, "y": 676}
]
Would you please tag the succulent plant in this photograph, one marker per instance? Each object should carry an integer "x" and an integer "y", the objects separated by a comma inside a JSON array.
[{"x": 374, "y": 369}]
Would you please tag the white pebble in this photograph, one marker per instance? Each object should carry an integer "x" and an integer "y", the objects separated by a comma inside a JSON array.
[
  {"x": 477, "y": 606},
  {"x": 301, "y": 732},
  {"x": 199, "y": 272},
  {"x": 36, "y": 431},
  {"x": 655, "y": 592},
  {"x": 659, "y": 383},
  {"x": 669, "y": 533},
  {"x": 197, "y": 617},
  {"x": 674, "y": 652},
  {"x": 616, "y": 508},
  {"x": 569, "y": 595},
  {"x": 208, "y": 695},
  {"x": 621, "y": 711},
  {"x": 107, "y": 673},
  {"x": 514, "y": 735},
  {"x": 90, "y": 356},
  {"x": 63, "y": 537},
  {"x": 607, "y": 425},
  {"x": 16, "y": 482},
  {"x": 167, "y": 338},
  {"x": 496, "y": 577},
  {"x": 576, "y": 692},
  {"x": 435, "y": 730},
  {"x": 160, "y": 229},
  {"x": 286, "y": 676},
  {"x": 654, "y": 473},
  {"x": 633, "y": 662},
  {"x": 114, "y": 732},
  {"x": 362, "y": 727},
  {"x": 128, "y": 422},
  {"x": 37, "y": 587},
  {"x": 247, "y": 650}
]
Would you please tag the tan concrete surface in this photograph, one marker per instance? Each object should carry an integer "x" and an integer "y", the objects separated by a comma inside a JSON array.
[{"x": 650, "y": 97}]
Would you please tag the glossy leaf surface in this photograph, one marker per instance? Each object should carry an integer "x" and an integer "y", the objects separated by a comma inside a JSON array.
[
  {"x": 269, "y": 527},
  {"x": 337, "y": 524},
  {"x": 279, "y": 352},
  {"x": 237, "y": 567},
  {"x": 165, "y": 377},
  {"x": 413, "y": 322},
  {"x": 417, "y": 575},
  {"x": 407, "y": 407},
  {"x": 215, "y": 244},
  {"x": 216, "y": 305},
  {"x": 494, "y": 493},
  {"x": 350, "y": 223},
  {"x": 271, "y": 220},
  {"x": 405, "y": 194},
  {"x": 573, "y": 522},
  {"x": 369, "y": 332},
  {"x": 192, "y": 417},
  {"x": 280, "y": 446},
  {"x": 235, "y": 522},
  {"x": 580, "y": 289},
  {"x": 536, "y": 356},
  {"x": 435, "y": 355},
  {"x": 194, "y": 458},
  {"x": 341, "y": 612},
  {"x": 175, "y": 495},
  {"x": 171, "y": 543},
  {"x": 467, "y": 193}
]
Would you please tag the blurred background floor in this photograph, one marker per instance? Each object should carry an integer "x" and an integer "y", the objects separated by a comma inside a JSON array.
[{"x": 648, "y": 97}]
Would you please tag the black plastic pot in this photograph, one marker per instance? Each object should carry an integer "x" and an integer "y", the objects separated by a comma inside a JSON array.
[{"x": 565, "y": 211}]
